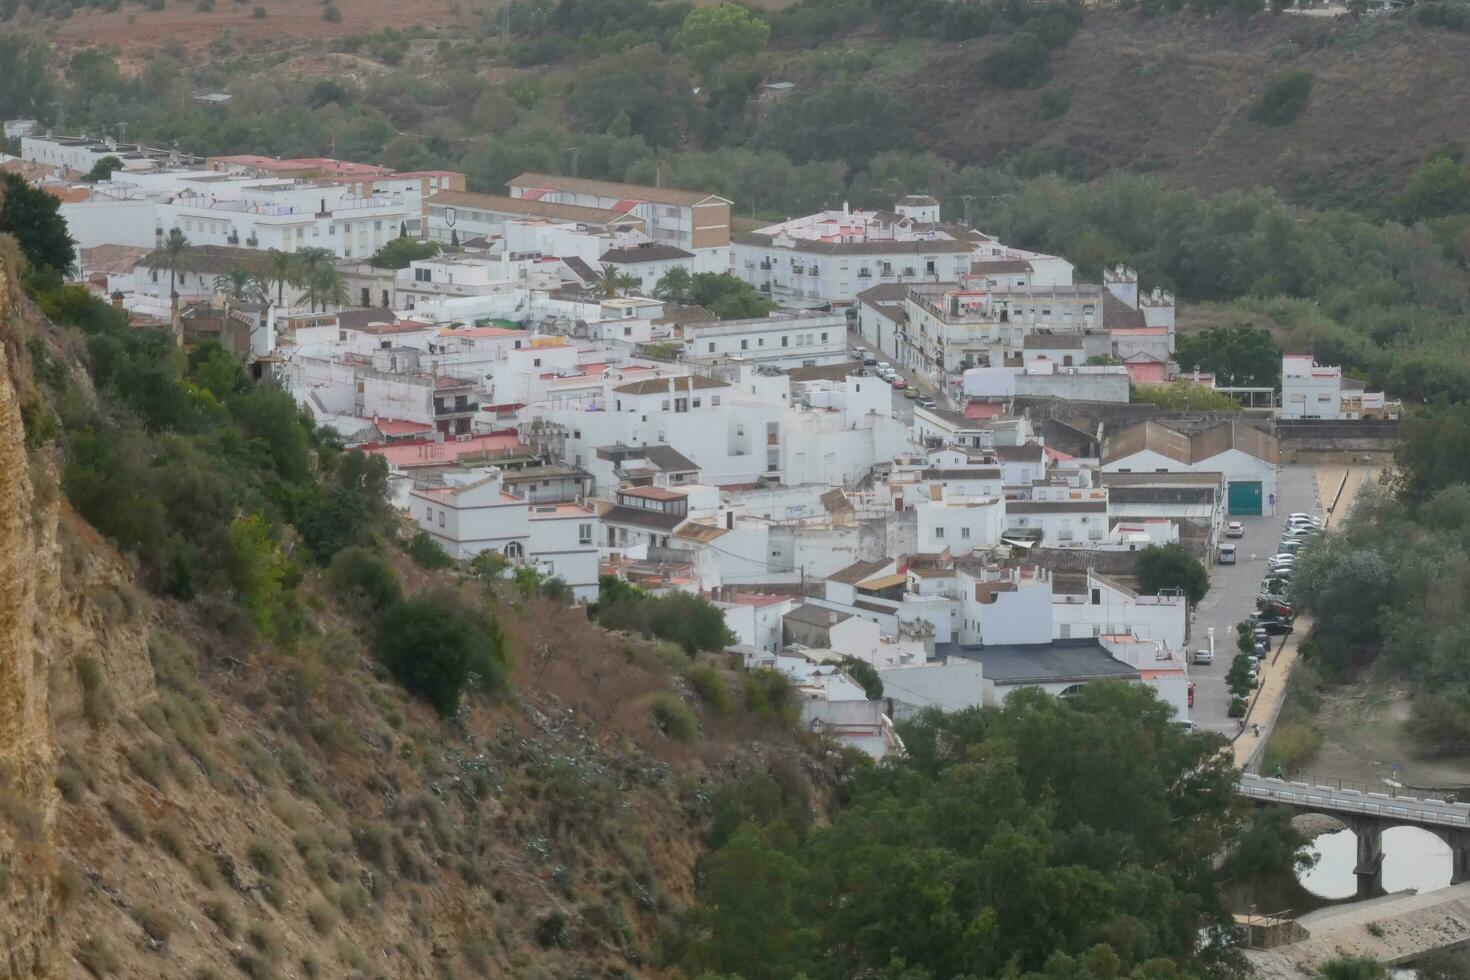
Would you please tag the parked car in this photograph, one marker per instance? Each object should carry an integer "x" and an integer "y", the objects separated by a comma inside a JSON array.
[
  {"x": 911, "y": 393},
  {"x": 869, "y": 360},
  {"x": 1235, "y": 529},
  {"x": 1290, "y": 546},
  {"x": 1190, "y": 696},
  {"x": 897, "y": 382},
  {"x": 1303, "y": 517},
  {"x": 926, "y": 402},
  {"x": 1276, "y": 627},
  {"x": 1203, "y": 656},
  {"x": 858, "y": 353}
]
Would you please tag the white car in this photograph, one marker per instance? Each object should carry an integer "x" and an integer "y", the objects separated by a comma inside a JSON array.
[
  {"x": 1235, "y": 529},
  {"x": 1303, "y": 516}
]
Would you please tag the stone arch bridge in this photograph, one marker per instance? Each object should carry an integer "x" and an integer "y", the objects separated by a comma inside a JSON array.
[{"x": 1367, "y": 814}]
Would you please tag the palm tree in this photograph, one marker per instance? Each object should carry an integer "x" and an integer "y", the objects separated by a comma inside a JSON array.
[
  {"x": 239, "y": 283},
  {"x": 281, "y": 269},
  {"x": 175, "y": 256},
  {"x": 609, "y": 281},
  {"x": 326, "y": 286}
]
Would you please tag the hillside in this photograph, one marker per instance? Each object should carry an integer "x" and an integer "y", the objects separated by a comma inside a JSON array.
[
  {"x": 1171, "y": 95},
  {"x": 181, "y": 798}
]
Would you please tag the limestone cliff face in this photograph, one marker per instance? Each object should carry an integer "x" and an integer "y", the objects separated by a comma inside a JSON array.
[{"x": 51, "y": 620}]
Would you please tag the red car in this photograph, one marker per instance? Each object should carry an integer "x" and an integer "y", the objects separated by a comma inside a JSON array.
[
  {"x": 899, "y": 383},
  {"x": 1191, "y": 694}
]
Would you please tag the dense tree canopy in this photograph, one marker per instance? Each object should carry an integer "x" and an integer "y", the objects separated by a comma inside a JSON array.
[
  {"x": 33, "y": 217},
  {"x": 1075, "y": 860}
]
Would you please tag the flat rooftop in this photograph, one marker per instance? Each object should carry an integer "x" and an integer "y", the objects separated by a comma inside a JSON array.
[{"x": 1057, "y": 662}]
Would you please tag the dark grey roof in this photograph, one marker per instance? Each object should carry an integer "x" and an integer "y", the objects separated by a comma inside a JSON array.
[
  {"x": 642, "y": 517},
  {"x": 969, "y": 473},
  {"x": 1056, "y": 506},
  {"x": 669, "y": 459},
  {"x": 1025, "y": 453},
  {"x": 357, "y": 319},
  {"x": 816, "y": 615},
  {"x": 649, "y": 252},
  {"x": 1057, "y": 662},
  {"x": 1161, "y": 495},
  {"x": 857, "y": 571},
  {"x": 999, "y": 267},
  {"x": 579, "y": 268}
]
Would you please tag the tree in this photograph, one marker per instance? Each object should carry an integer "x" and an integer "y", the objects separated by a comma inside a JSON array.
[
  {"x": 281, "y": 269},
  {"x": 434, "y": 645},
  {"x": 1283, "y": 100},
  {"x": 33, "y": 218},
  {"x": 727, "y": 296},
  {"x": 1239, "y": 356},
  {"x": 239, "y": 283},
  {"x": 674, "y": 285},
  {"x": 1439, "y": 186},
  {"x": 1238, "y": 677},
  {"x": 176, "y": 257},
  {"x": 399, "y": 252},
  {"x": 1023, "y": 62},
  {"x": 610, "y": 282},
  {"x": 713, "y": 35},
  {"x": 102, "y": 169},
  {"x": 326, "y": 287},
  {"x": 1171, "y": 566},
  {"x": 864, "y": 673},
  {"x": 851, "y": 123}
]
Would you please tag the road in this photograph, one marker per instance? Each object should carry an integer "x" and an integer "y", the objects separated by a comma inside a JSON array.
[
  {"x": 1232, "y": 595},
  {"x": 903, "y": 408}
]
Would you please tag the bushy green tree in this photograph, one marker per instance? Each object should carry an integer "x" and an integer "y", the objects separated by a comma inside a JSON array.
[
  {"x": 1239, "y": 356},
  {"x": 712, "y": 35},
  {"x": 33, "y": 218},
  {"x": 1171, "y": 566},
  {"x": 1439, "y": 186},
  {"x": 399, "y": 252},
  {"x": 851, "y": 123},
  {"x": 434, "y": 644},
  {"x": 1283, "y": 100},
  {"x": 1024, "y": 61}
]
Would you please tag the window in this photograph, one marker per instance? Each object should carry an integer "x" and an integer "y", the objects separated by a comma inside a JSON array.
[
  {"x": 696, "y": 403},
  {"x": 584, "y": 533},
  {"x": 627, "y": 331},
  {"x": 535, "y": 362},
  {"x": 711, "y": 347},
  {"x": 939, "y": 532},
  {"x": 745, "y": 345},
  {"x": 441, "y": 518},
  {"x": 824, "y": 336},
  {"x": 785, "y": 341},
  {"x": 714, "y": 401},
  {"x": 664, "y": 405},
  {"x": 964, "y": 532}
]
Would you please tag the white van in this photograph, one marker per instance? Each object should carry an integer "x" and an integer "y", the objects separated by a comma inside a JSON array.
[{"x": 1225, "y": 554}]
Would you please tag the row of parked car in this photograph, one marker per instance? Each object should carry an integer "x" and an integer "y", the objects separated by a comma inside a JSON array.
[
  {"x": 1274, "y": 615},
  {"x": 890, "y": 376}
]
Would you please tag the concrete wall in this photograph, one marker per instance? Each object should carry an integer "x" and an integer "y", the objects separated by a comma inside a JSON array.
[{"x": 1099, "y": 387}]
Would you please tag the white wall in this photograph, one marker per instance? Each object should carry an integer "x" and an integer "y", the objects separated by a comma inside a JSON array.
[{"x": 105, "y": 222}]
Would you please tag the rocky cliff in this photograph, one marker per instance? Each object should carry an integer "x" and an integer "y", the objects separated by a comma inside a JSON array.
[{"x": 66, "y": 635}]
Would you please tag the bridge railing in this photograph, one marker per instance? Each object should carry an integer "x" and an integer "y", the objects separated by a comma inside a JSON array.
[{"x": 1348, "y": 800}]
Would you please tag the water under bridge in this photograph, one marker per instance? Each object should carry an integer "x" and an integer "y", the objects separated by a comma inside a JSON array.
[{"x": 1367, "y": 813}]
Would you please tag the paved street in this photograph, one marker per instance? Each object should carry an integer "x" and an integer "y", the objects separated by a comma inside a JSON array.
[
  {"x": 1232, "y": 594},
  {"x": 903, "y": 408}
]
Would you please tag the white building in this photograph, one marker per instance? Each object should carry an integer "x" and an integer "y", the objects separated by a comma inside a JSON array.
[
  {"x": 694, "y": 221},
  {"x": 288, "y": 217},
  {"x": 777, "y": 341},
  {"x": 472, "y": 512},
  {"x": 1247, "y": 457},
  {"x": 1314, "y": 391},
  {"x": 1107, "y": 607}
]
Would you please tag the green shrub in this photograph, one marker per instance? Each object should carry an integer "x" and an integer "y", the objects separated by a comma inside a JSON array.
[
  {"x": 265, "y": 858},
  {"x": 97, "y": 957},
  {"x": 1283, "y": 100},
  {"x": 127, "y": 818},
  {"x": 674, "y": 718},
  {"x": 712, "y": 688},
  {"x": 331, "y": 14},
  {"x": 364, "y": 579},
  {"x": 1023, "y": 62},
  {"x": 155, "y": 922},
  {"x": 218, "y": 911},
  {"x": 434, "y": 645},
  {"x": 322, "y": 916},
  {"x": 1054, "y": 103},
  {"x": 258, "y": 13},
  {"x": 424, "y": 550}
]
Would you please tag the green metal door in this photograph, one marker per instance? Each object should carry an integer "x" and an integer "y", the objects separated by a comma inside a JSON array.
[{"x": 1245, "y": 497}]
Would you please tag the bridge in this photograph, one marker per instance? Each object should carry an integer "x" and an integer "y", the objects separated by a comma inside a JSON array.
[{"x": 1367, "y": 813}]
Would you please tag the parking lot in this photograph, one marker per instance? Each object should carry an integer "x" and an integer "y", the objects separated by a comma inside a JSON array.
[{"x": 1232, "y": 595}]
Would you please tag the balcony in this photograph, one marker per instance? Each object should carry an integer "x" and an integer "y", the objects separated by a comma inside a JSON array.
[
  {"x": 864, "y": 274},
  {"x": 765, "y": 265}
]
